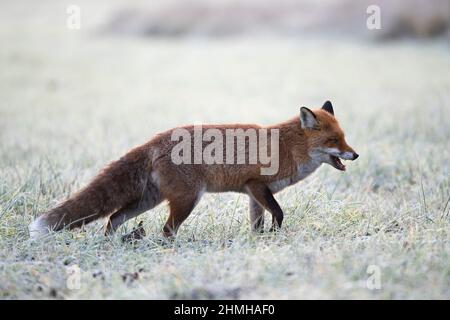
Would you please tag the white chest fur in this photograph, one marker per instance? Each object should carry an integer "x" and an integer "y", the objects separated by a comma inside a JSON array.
[{"x": 303, "y": 170}]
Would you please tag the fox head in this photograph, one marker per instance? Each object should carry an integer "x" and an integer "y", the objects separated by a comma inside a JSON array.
[{"x": 326, "y": 139}]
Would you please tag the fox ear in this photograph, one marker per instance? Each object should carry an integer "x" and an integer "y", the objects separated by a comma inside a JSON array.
[
  {"x": 308, "y": 119},
  {"x": 328, "y": 107}
]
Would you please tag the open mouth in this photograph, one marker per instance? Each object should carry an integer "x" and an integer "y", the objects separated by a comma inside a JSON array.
[{"x": 336, "y": 162}]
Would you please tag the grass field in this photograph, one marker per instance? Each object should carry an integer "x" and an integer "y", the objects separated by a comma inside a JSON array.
[{"x": 71, "y": 101}]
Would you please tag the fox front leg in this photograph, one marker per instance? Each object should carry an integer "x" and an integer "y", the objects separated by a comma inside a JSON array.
[
  {"x": 260, "y": 193},
  {"x": 256, "y": 216}
]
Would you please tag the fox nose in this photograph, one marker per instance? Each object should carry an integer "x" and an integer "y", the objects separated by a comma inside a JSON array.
[{"x": 355, "y": 156}]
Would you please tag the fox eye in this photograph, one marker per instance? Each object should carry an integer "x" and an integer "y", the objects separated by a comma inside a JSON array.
[{"x": 333, "y": 140}]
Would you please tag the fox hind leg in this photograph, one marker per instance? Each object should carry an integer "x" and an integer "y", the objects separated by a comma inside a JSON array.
[
  {"x": 150, "y": 200},
  {"x": 180, "y": 208},
  {"x": 123, "y": 215}
]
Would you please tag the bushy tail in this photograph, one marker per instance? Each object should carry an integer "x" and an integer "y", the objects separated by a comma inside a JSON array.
[{"x": 114, "y": 187}]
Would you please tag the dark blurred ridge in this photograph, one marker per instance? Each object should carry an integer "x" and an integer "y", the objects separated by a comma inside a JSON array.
[{"x": 208, "y": 18}]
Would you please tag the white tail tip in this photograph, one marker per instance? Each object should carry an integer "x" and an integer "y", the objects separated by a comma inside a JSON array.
[{"x": 38, "y": 228}]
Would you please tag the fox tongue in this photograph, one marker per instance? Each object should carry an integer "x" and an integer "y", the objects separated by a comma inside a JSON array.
[{"x": 338, "y": 164}]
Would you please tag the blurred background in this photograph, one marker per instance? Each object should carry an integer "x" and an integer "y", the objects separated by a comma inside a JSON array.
[
  {"x": 123, "y": 70},
  {"x": 289, "y": 18}
]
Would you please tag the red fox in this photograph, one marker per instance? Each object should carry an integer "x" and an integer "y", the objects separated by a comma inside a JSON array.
[{"x": 149, "y": 174}]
